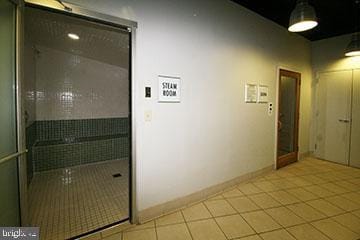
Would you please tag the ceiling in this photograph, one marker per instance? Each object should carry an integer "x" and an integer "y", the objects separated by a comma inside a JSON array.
[
  {"x": 335, "y": 17},
  {"x": 97, "y": 42}
]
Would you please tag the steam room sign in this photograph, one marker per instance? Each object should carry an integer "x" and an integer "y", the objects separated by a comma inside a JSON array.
[{"x": 169, "y": 89}]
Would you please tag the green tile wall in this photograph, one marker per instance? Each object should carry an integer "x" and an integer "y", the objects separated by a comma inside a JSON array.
[
  {"x": 61, "y": 129},
  {"x": 50, "y": 157},
  {"x": 66, "y": 143},
  {"x": 30, "y": 132}
]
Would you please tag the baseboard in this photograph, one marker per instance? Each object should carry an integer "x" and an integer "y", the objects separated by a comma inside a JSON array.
[{"x": 182, "y": 202}]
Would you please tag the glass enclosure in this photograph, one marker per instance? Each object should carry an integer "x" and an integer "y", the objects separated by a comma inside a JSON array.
[
  {"x": 77, "y": 123},
  {"x": 287, "y": 115},
  {"x": 9, "y": 187}
]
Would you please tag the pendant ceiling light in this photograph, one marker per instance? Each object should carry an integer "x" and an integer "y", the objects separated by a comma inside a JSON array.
[
  {"x": 353, "y": 48},
  {"x": 303, "y": 17}
]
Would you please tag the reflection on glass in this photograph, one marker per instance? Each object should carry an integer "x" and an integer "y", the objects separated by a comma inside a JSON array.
[
  {"x": 9, "y": 205},
  {"x": 287, "y": 115}
]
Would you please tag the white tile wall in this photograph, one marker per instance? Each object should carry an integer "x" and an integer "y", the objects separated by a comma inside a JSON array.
[
  {"x": 73, "y": 87},
  {"x": 29, "y": 84}
]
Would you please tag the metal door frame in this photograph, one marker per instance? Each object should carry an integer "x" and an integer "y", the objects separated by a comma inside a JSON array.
[{"x": 89, "y": 15}]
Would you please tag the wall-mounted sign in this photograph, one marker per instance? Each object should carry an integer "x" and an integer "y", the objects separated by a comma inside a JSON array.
[
  {"x": 251, "y": 93},
  {"x": 263, "y": 94},
  {"x": 169, "y": 89}
]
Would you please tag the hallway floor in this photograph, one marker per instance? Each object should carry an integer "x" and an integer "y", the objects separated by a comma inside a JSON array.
[
  {"x": 309, "y": 200},
  {"x": 68, "y": 202}
]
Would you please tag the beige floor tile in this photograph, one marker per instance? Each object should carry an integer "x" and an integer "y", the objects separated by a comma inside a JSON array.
[
  {"x": 170, "y": 219},
  {"x": 206, "y": 230},
  {"x": 314, "y": 179},
  {"x": 306, "y": 212},
  {"x": 343, "y": 203},
  {"x": 116, "y": 229},
  {"x": 319, "y": 191},
  {"x": 283, "y": 183},
  {"x": 325, "y": 207},
  {"x": 260, "y": 221},
  {"x": 353, "y": 196},
  {"x": 306, "y": 232},
  {"x": 116, "y": 236},
  {"x": 150, "y": 224},
  {"x": 284, "y": 173},
  {"x": 253, "y": 237},
  {"x": 354, "y": 181},
  {"x": 272, "y": 176},
  {"x": 332, "y": 187},
  {"x": 348, "y": 185},
  {"x": 264, "y": 200},
  {"x": 302, "y": 194},
  {"x": 266, "y": 186},
  {"x": 196, "y": 212},
  {"x": 249, "y": 189},
  {"x": 95, "y": 236},
  {"x": 219, "y": 208},
  {"x": 173, "y": 232},
  {"x": 350, "y": 221},
  {"x": 232, "y": 193},
  {"x": 357, "y": 213},
  {"x": 243, "y": 204},
  {"x": 284, "y": 197},
  {"x": 299, "y": 181},
  {"x": 258, "y": 179},
  {"x": 284, "y": 216},
  {"x": 277, "y": 235},
  {"x": 217, "y": 197},
  {"x": 145, "y": 234},
  {"x": 234, "y": 226},
  {"x": 335, "y": 230}
]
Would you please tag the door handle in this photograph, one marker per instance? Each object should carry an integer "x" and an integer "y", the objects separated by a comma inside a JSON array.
[
  {"x": 7, "y": 158},
  {"x": 344, "y": 120}
]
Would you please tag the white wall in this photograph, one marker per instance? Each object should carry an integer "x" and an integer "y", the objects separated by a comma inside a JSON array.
[
  {"x": 211, "y": 136},
  {"x": 329, "y": 55},
  {"x": 73, "y": 87}
]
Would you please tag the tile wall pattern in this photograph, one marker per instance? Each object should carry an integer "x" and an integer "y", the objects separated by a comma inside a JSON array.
[
  {"x": 65, "y": 143},
  {"x": 68, "y": 202},
  {"x": 79, "y": 128},
  {"x": 55, "y": 156},
  {"x": 308, "y": 200},
  {"x": 30, "y": 142}
]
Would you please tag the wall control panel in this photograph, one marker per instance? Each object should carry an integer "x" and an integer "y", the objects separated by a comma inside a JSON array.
[{"x": 270, "y": 108}]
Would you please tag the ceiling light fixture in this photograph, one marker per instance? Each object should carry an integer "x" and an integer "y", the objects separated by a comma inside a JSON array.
[
  {"x": 303, "y": 17},
  {"x": 353, "y": 48},
  {"x": 73, "y": 36}
]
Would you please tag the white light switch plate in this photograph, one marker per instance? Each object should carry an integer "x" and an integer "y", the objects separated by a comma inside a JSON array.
[{"x": 148, "y": 116}]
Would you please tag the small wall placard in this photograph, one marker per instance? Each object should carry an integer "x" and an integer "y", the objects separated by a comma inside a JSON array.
[
  {"x": 251, "y": 93},
  {"x": 263, "y": 93},
  {"x": 169, "y": 89}
]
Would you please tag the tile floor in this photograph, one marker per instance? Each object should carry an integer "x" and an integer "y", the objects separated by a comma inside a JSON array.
[
  {"x": 68, "y": 202},
  {"x": 309, "y": 200}
]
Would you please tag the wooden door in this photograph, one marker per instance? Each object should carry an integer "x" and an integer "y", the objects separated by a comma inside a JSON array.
[{"x": 288, "y": 117}]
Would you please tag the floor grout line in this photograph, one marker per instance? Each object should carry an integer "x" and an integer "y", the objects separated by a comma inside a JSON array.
[{"x": 300, "y": 201}]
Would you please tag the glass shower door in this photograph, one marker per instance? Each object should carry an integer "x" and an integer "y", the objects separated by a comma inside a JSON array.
[{"x": 9, "y": 184}]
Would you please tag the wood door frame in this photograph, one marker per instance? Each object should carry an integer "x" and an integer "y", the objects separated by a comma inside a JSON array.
[{"x": 282, "y": 161}]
